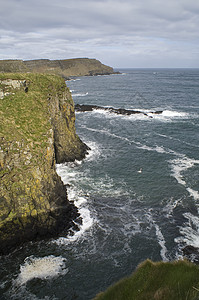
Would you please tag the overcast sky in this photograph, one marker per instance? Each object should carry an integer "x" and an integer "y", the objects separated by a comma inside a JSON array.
[{"x": 120, "y": 33}]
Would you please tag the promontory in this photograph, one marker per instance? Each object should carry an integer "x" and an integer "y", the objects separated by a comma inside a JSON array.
[
  {"x": 65, "y": 67},
  {"x": 37, "y": 130}
]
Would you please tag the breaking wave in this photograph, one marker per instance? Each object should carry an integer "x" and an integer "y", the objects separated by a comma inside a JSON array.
[
  {"x": 70, "y": 177},
  {"x": 189, "y": 232},
  {"x": 179, "y": 166},
  {"x": 80, "y": 94},
  {"x": 143, "y": 114}
]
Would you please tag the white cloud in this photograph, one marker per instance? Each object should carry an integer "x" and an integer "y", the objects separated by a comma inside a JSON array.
[{"x": 129, "y": 32}]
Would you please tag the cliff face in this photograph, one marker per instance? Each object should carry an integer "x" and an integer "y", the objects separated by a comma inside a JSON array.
[
  {"x": 64, "y": 68},
  {"x": 37, "y": 129}
]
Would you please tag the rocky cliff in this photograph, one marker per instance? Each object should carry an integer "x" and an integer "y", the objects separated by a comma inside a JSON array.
[
  {"x": 64, "y": 68},
  {"x": 37, "y": 129}
]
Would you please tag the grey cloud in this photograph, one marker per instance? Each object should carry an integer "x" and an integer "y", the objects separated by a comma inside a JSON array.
[
  {"x": 31, "y": 15},
  {"x": 103, "y": 29}
]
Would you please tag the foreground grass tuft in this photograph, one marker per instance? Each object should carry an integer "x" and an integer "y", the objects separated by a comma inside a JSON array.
[{"x": 159, "y": 281}]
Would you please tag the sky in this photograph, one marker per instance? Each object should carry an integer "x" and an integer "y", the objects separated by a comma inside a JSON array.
[{"x": 119, "y": 33}]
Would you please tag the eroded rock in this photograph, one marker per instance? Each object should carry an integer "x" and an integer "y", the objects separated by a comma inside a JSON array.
[{"x": 37, "y": 131}]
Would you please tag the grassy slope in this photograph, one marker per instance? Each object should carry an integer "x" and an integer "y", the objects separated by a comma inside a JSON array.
[
  {"x": 159, "y": 281},
  {"x": 23, "y": 114},
  {"x": 25, "y": 132},
  {"x": 65, "y": 67}
]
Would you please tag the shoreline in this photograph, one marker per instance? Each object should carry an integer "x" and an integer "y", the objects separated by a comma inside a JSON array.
[{"x": 38, "y": 131}]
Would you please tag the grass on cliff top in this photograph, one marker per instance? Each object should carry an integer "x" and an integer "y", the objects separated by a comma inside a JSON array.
[
  {"x": 159, "y": 281},
  {"x": 24, "y": 115}
]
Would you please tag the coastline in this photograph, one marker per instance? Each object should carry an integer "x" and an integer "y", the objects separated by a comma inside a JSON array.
[
  {"x": 65, "y": 68},
  {"x": 37, "y": 131}
]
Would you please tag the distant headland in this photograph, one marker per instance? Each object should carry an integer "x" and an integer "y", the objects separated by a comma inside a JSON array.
[{"x": 66, "y": 67}]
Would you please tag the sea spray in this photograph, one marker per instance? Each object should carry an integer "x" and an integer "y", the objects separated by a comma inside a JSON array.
[{"x": 41, "y": 267}]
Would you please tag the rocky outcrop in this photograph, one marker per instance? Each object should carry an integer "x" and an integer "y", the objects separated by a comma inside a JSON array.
[
  {"x": 37, "y": 129},
  {"x": 65, "y": 68},
  {"x": 118, "y": 111}
]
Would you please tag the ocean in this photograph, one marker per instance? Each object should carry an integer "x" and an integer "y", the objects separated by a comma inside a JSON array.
[{"x": 137, "y": 190}]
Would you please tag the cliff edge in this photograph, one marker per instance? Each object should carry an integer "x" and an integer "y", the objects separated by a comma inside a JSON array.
[
  {"x": 158, "y": 281},
  {"x": 65, "y": 67},
  {"x": 37, "y": 129}
]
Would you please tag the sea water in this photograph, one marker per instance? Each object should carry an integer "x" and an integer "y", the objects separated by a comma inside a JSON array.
[{"x": 137, "y": 190}]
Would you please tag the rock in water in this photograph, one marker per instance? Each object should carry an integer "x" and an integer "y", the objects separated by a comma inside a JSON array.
[
  {"x": 37, "y": 129},
  {"x": 119, "y": 111}
]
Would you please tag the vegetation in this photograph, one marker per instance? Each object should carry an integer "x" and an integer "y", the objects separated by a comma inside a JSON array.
[
  {"x": 64, "y": 67},
  {"x": 34, "y": 110},
  {"x": 159, "y": 281},
  {"x": 24, "y": 114}
]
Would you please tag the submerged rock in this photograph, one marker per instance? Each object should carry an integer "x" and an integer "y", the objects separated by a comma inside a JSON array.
[{"x": 37, "y": 130}]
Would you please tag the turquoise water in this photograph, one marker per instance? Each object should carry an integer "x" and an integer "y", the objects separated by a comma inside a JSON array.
[{"x": 137, "y": 190}]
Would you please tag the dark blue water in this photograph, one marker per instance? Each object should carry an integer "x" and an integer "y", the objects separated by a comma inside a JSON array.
[{"x": 137, "y": 191}]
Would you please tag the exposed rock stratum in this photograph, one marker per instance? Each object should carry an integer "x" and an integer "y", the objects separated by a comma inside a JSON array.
[{"x": 37, "y": 130}]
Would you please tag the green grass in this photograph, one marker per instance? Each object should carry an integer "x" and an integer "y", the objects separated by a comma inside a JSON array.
[
  {"x": 29, "y": 115},
  {"x": 25, "y": 120},
  {"x": 159, "y": 281},
  {"x": 25, "y": 116}
]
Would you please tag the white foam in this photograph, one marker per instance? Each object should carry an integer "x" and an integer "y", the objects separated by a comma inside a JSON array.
[
  {"x": 159, "y": 149},
  {"x": 170, "y": 206},
  {"x": 137, "y": 117},
  {"x": 94, "y": 151},
  {"x": 81, "y": 203},
  {"x": 44, "y": 268},
  {"x": 80, "y": 94},
  {"x": 108, "y": 133},
  {"x": 110, "y": 114},
  {"x": 179, "y": 165},
  {"x": 167, "y": 115},
  {"x": 103, "y": 112},
  {"x": 189, "y": 231},
  {"x": 67, "y": 173},
  {"x": 173, "y": 114},
  {"x": 145, "y": 114},
  {"x": 87, "y": 223},
  {"x": 176, "y": 139},
  {"x": 77, "y": 79},
  {"x": 161, "y": 242},
  {"x": 70, "y": 175},
  {"x": 160, "y": 237},
  {"x": 107, "y": 187},
  {"x": 193, "y": 193}
]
